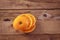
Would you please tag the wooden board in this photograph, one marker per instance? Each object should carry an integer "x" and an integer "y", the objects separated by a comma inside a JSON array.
[
  {"x": 18, "y": 4},
  {"x": 47, "y": 28},
  {"x": 44, "y": 26},
  {"x": 55, "y": 1},
  {"x": 30, "y": 37}
]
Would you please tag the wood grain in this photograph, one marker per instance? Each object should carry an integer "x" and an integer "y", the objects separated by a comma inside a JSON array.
[
  {"x": 56, "y": 1},
  {"x": 45, "y": 26},
  {"x": 18, "y": 4},
  {"x": 24, "y": 37}
]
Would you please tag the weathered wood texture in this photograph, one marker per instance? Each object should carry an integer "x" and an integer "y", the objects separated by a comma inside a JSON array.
[
  {"x": 46, "y": 29},
  {"x": 30, "y": 37},
  {"x": 22, "y": 4},
  {"x": 24, "y": 37},
  {"x": 55, "y": 1},
  {"x": 51, "y": 26}
]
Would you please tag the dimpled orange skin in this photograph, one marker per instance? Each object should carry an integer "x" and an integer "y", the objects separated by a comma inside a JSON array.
[{"x": 27, "y": 23}]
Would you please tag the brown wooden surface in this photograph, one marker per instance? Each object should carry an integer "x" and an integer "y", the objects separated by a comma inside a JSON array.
[
  {"x": 46, "y": 29},
  {"x": 18, "y": 4},
  {"x": 41, "y": 25}
]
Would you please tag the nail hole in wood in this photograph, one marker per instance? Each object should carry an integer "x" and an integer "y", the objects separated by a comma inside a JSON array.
[
  {"x": 6, "y": 19},
  {"x": 45, "y": 15}
]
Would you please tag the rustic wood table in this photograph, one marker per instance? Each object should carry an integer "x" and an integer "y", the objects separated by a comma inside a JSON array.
[{"x": 46, "y": 29}]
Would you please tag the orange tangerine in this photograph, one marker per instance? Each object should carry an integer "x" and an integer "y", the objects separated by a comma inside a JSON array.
[{"x": 25, "y": 23}]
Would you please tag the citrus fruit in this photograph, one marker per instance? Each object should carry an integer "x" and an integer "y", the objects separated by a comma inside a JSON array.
[{"x": 25, "y": 23}]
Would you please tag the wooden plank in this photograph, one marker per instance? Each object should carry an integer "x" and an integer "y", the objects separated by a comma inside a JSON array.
[
  {"x": 45, "y": 26},
  {"x": 18, "y": 4},
  {"x": 30, "y": 37},
  {"x": 55, "y": 37},
  {"x": 24, "y": 37},
  {"x": 58, "y": 1}
]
